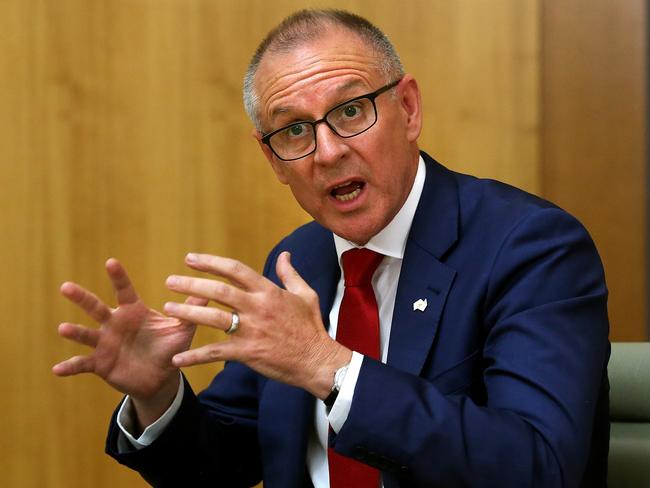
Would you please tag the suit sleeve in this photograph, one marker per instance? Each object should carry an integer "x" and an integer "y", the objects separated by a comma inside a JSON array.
[{"x": 544, "y": 354}]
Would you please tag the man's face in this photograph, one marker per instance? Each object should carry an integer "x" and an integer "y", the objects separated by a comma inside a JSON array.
[{"x": 353, "y": 186}]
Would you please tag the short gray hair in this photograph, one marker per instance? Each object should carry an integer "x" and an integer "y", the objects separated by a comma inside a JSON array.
[{"x": 308, "y": 25}]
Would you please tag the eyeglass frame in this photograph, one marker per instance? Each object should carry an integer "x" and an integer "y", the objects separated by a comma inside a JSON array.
[{"x": 266, "y": 138}]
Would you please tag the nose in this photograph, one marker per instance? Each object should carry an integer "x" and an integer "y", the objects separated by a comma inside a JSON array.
[{"x": 330, "y": 148}]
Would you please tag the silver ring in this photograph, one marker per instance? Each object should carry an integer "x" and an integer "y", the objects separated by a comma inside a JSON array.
[{"x": 234, "y": 324}]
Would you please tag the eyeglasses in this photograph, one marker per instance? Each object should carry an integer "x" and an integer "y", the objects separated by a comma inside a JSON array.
[{"x": 348, "y": 119}]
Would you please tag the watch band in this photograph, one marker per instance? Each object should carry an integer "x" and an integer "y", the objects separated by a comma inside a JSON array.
[{"x": 339, "y": 376}]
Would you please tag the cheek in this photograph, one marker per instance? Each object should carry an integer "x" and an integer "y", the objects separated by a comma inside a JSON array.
[
  {"x": 280, "y": 171},
  {"x": 304, "y": 192}
]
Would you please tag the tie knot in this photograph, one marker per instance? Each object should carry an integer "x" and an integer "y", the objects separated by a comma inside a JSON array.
[{"x": 359, "y": 265}]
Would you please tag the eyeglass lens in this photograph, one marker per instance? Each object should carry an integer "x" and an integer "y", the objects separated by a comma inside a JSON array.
[{"x": 347, "y": 120}]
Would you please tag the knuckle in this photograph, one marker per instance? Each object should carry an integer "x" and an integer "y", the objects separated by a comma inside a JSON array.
[
  {"x": 226, "y": 292},
  {"x": 274, "y": 294},
  {"x": 311, "y": 297},
  {"x": 235, "y": 267},
  {"x": 253, "y": 351},
  {"x": 215, "y": 316},
  {"x": 219, "y": 289},
  {"x": 213, "y": 354},
  {"x": 82, "y": 334},
  {"x": 97, "y": 310},
  {"x": 87, "y": 301}
]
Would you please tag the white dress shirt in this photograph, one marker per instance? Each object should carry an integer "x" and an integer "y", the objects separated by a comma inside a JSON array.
[{"x": 390, "y": 242}]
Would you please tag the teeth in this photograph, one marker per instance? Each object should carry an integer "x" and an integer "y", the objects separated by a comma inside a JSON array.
[{"x": 348, "y": 196}]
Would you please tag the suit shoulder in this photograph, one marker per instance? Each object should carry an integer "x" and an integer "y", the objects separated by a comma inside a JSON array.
[
  {"x": 497, "y": 195},
  {"x": 478, "y": 198},
  {"x": 308, "y": 244},
  {"x": 490, "y": 210},
  {"x": 500, "y": 205},
  {"x": 312, "y": 234}
]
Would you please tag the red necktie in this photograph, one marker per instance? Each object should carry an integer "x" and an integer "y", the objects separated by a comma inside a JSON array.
[{"x": 358, "y": 329}]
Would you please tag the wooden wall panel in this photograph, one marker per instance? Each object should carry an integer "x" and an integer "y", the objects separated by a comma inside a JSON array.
[
  {"x": 122, "y": 134},
  {"x": 593, "y": 139}
]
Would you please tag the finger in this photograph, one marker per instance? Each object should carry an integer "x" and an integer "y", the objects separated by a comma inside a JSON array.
[
  {"x": 122, "y": 285},
  {"x": 235, "y": 271},
  {"x": 202, "y": 302},
  {"x": 88, "y": 301},
  {"x": 212, "y": 317},
  {"x": 218, "y": 351},
  {"x": 79, "y": 333},
  {"x": 218, "y": 291},
  {"x": 290, "y": 278},
  {"x": 74, "y": 365}
]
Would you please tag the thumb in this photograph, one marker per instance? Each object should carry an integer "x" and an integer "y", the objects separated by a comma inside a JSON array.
[{"x": 288, "y": 274}]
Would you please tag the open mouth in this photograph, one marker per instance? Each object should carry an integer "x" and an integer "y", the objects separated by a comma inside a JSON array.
[{"x": 347, "y": 191}]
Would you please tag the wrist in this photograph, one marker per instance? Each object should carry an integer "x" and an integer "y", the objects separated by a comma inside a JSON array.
[
  {"x": 151, "y": 408},
  {"x": 324, "y": 379},
  {"x": 339, "y": 377}
]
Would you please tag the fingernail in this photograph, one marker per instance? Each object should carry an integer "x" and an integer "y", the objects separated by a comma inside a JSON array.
[
  {"x": 170, "y": 307},
  {"x": 177, "y": 361},
  {"x": 191, "y": 257},
  {"x": 172, "y": 280}
]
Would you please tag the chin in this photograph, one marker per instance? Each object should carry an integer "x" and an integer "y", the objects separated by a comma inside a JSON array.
[
  {"x": 355, "y": 234},
  {"x": 359, "y": 228}
]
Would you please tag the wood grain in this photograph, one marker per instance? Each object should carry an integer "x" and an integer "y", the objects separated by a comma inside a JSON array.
[{"x": 593, "y": 139}]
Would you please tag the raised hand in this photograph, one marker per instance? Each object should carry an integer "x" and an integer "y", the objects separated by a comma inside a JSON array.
[
  {"x": 281, "y": 334},
  {"x": 134, "y": 344}
]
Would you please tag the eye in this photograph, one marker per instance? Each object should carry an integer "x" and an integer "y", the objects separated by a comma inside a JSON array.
[
  {"x": 296, "y": 130},
  {"x": 351, "y": 111}
]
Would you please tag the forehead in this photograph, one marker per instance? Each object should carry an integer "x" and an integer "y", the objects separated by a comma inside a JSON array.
[{"x": 323, "y": 70}]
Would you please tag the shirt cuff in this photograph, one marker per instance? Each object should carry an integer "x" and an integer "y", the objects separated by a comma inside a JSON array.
[
  {"x": 341, "y": 408},
  {"x": 126, "y": 420}
]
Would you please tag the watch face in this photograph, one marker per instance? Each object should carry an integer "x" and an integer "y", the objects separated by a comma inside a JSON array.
[{"x": 339, "y": 376}]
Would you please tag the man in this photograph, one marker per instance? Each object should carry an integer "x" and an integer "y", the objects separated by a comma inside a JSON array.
[{"x": 471, "y": 330}]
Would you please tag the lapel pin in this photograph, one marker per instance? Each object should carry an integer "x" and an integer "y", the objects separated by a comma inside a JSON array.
[{"x": 420, "y": 305}]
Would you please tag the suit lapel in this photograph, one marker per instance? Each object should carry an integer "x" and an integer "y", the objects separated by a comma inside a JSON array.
[
  {"x": 320, "y": 269},
  {"x": 413, "y": 330},
  {"x": 424, "y": 276}
]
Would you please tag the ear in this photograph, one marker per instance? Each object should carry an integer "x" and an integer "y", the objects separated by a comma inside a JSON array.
[
  {"x": 412, "y": 106},
  {"x": 278, "y": 167}
]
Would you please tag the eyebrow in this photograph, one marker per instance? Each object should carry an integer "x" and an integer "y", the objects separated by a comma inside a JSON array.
[{"x": 339, "y": 90}]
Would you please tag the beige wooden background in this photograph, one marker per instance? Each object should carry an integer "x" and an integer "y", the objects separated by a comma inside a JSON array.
[{"x": 122, "y": 134}]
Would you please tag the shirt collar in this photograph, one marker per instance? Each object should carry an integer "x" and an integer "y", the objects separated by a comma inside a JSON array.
[{"x": 391, "y": 240}]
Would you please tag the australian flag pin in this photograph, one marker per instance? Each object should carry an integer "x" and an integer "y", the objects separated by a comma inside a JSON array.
[{"x": 420, "y": 305}]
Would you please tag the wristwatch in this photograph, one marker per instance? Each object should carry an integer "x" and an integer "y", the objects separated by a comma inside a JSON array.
[{"x": 339, "y": 376}]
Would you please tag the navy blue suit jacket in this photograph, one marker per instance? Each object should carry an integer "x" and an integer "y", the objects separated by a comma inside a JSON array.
[{"x": 500, "y": 382}]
